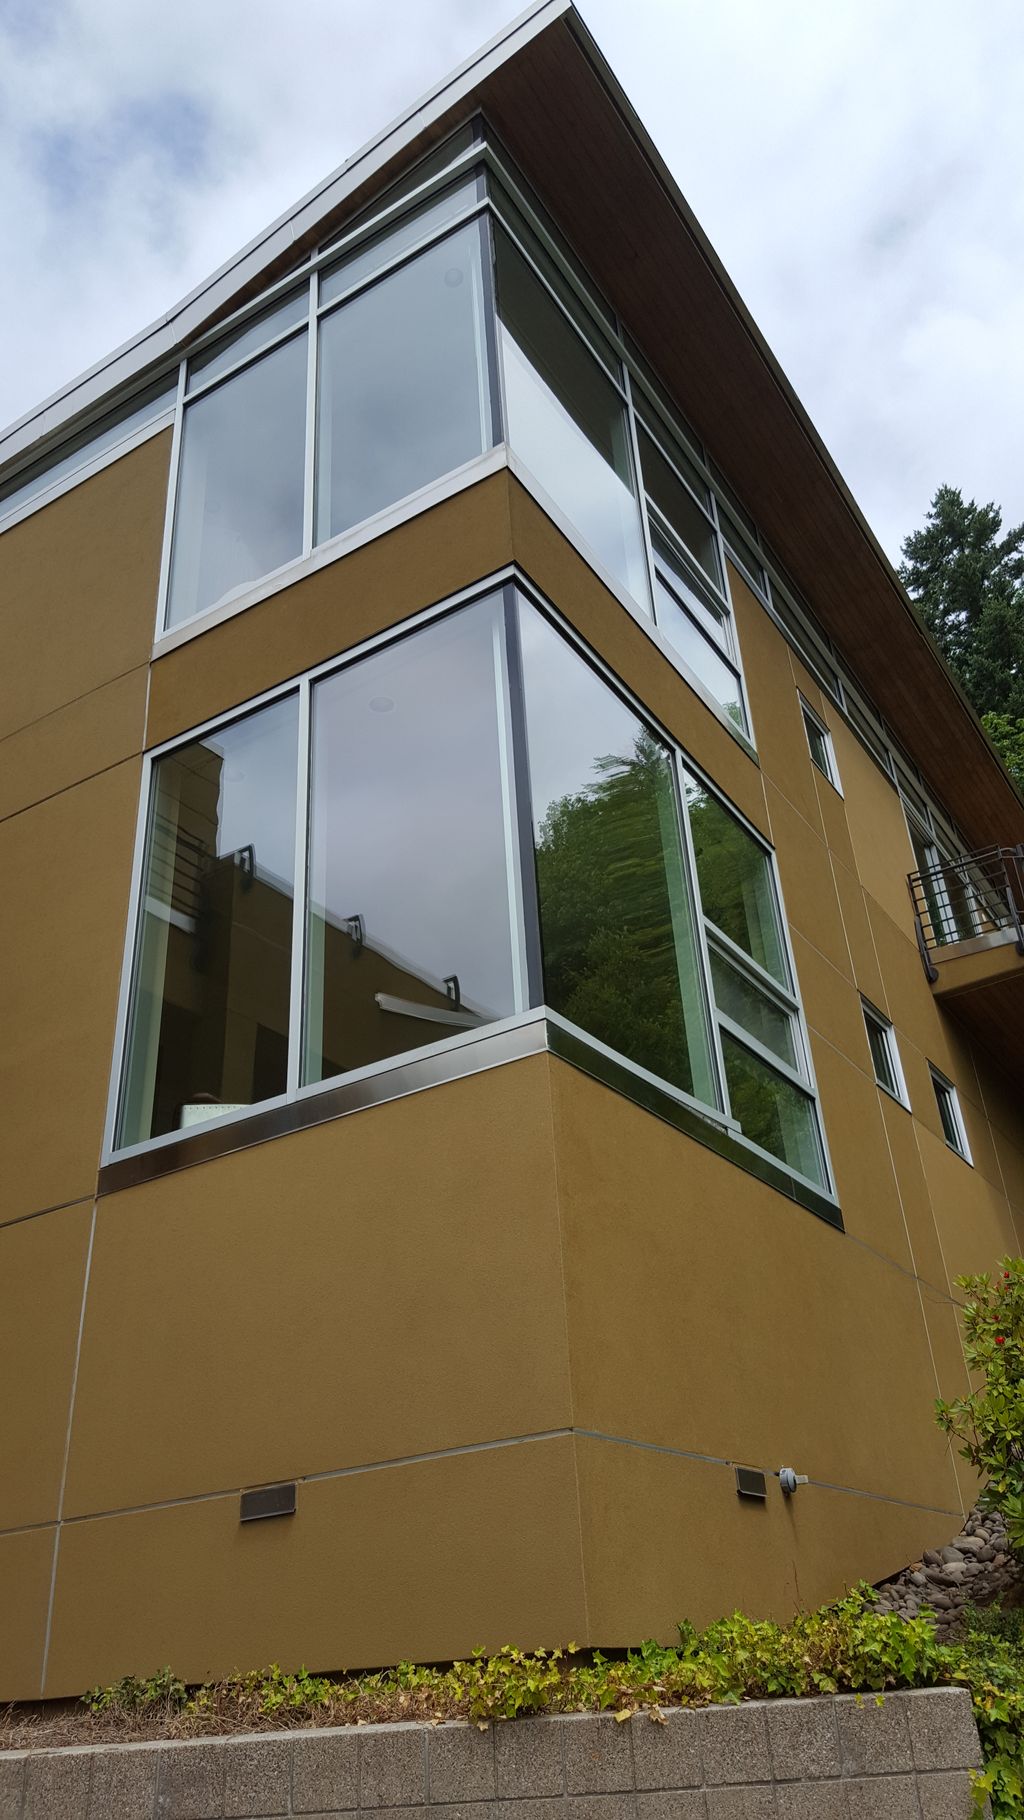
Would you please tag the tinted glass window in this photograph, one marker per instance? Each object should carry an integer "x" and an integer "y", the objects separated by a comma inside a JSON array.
[
  {"x": 409, "y": 923},
  {"x": 772, "y": 1111},
  {"x": 678, "y": 507},
  {"x": 238, "y": 512},
  {"x": 210, "y": 1023},
  {"x": 736, "y": 885},
  {"x": 617, "y": 926},
  {"x": 753, "y": 1010},
  {"x": 567, "y": 421},
  {"x": 698, "y": 652},
  {"x": 403, "y": 384},
  {"x": 878, "y": 1041}
]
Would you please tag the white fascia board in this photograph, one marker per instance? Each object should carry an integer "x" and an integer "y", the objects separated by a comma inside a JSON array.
[{"x": 165, "y": 337}]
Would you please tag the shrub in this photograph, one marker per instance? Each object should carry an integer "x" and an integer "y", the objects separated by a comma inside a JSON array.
[{"x": 989, "y": 1424}]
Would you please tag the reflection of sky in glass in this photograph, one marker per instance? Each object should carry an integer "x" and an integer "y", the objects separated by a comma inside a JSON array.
[
  {"x": 402, "y": 384},
  {"x": 238, "y": 512},
  {"x": 573, "y": 719},
  {"x": 257, "y": 787},
  {"x": 694, "y": 649},
  {"x": 407, "y": 826}
]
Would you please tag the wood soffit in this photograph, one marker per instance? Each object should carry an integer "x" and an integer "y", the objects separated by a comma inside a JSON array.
[{"x": 552, "y": 107}]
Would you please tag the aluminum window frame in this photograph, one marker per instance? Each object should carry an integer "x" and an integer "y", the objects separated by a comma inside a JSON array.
[
  {"x": 776, "y": 593},
  {"x": 507, "y": 587},
  {"x": 947, "y": 1095},
  {"x": 877, "y": 1020},
  {"x": 830, "y": 769}
]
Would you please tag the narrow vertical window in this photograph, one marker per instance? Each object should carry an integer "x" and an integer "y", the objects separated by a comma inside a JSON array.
[
  {"x": 885, "y": 1058},
  {"x": 819, "y": 743},
  {"x": 953, "y": 1128},
  {"x": 618, "y": 932},
  {"x": 404, "y": 390},
  {"x": 763, "y": 1047},
  {"x": 567, "y": 421},
  {"x": 411, "y": 917},
  {"x": 209, "y": 1030}
]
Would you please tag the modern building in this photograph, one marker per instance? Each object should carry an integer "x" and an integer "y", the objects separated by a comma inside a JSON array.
[{"x": 474, "y": 1072}]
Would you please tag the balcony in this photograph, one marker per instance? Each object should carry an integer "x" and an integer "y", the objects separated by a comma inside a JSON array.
[{"x": 967, "y": 916}]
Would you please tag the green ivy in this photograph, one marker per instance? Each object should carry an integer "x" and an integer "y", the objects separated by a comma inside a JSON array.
[{"x": 847, "y": 1647}]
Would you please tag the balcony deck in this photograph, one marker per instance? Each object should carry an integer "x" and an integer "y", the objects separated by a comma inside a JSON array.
[{"x": 967, "y": 915}]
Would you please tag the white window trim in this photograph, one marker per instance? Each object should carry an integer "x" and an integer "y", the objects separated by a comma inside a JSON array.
[
  {"x": 811, "y": 718},
  {"x": 872, "y": 1016},
  {"x": 944, "y": 1086}
]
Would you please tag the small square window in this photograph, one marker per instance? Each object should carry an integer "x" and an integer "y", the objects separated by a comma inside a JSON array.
[
  {"x": 819, "y": 739},
  {"x": 885, "y": 1057},
  {"x": 953, "y": 1128}
]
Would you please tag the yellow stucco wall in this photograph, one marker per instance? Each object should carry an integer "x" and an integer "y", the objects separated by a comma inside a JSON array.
[{"x": 508, "y": 1333}]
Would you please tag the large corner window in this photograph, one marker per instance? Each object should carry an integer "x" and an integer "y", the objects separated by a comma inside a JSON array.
[
  {"x": 432, "y": 837},
  {"x": 450, "y": 317}
]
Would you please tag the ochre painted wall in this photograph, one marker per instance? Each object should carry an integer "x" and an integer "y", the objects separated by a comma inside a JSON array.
[{"x": 509, "y": 1332}]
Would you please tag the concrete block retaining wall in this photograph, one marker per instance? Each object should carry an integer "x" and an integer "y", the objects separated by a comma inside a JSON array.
[{"x": 825, "y": 1759}]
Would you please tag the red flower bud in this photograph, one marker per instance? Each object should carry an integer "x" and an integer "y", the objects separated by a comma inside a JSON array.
[{"x": 999, "y": 1340}]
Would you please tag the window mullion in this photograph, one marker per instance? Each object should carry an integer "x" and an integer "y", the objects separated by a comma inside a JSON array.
[
  {"x": 300, "y": 920},
  {"x": 163, "y": 588},
  {"x": 700, "y": 921},
  {"x": 312, "y": 359}
]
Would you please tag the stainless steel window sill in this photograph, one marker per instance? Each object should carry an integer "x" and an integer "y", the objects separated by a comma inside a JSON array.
[{"x": 536, "y": 1034}]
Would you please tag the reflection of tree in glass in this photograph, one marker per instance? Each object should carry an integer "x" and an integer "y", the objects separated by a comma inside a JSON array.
[
  {"x": 735, "y": 888},
  {"x": 609, "y": 875}
]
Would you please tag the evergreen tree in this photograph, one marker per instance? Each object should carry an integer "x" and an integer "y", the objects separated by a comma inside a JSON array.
[{"x": 967, "y": 577}]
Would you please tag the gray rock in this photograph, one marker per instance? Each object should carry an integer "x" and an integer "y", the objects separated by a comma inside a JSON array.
[{"x": 951, "y": 1554}]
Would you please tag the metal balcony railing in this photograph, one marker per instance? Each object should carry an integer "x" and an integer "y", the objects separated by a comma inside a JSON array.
[{"x": 976, "y": 894}]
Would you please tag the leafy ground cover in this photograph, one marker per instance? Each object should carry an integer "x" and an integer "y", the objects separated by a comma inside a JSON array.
[{"x": 847, "y": 1647}]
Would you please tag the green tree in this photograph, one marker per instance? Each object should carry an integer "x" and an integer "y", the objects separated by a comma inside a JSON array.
[{"x": 966, "y": 575}]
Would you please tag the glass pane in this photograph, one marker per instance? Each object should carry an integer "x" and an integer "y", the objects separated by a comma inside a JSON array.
[
  {"x": 617, "y": 925},
  {"x": 410, "y": 935},
  {"x": 87, "y": 446},
  {"x": 741, "y": 551},
  {"x": 520, "y": 227},
  {"x": 818, "y": 744},
  {"x": 772, "y": 1112},
  {"x": 675, "y": 573},
  {"x": 248, "y": 340},
  {"x": 680, "y": 509},
  {"x": 720, "y": 681},
  {"x": 209, "y": 1025},
  {"x": 238, "y": 512},
  {"x": 739, "y": 999},
  {"x": 403, "y": 384},
  {"x": 947, "y": 1114},
  {"x": 736, "y": 886},
  {"x": 395, "y": 240},
  {"x": 878, "y": 1041},
  {"x": 567, "y": 421}
]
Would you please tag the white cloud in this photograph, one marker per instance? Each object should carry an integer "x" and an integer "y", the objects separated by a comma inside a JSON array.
[{"x": 859, "y": 170}]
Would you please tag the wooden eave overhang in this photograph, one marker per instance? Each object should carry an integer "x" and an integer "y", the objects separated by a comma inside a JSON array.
[{"x": 562, "y": 115}]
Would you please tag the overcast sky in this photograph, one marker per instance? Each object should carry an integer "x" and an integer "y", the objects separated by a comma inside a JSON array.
[{"x": 860, "y": 169}]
